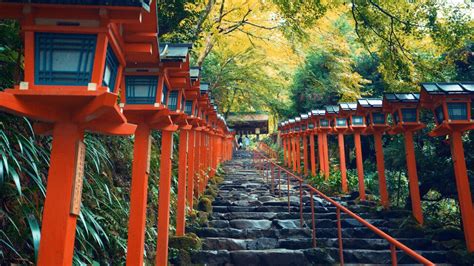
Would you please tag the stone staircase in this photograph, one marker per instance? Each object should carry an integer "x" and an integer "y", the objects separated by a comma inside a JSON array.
[{"x": 251, "y": 226}]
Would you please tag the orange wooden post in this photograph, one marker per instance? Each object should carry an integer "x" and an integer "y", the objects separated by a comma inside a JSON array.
[
  {"x": 197, "y": 162},
  {"x": 360, "y": 165},
  {"x": 326, "y": 154},
  {"x": 305, "y": 154},
  {"x": 312, "y": 154},
  {"x": 59, "y": 225},
  {"x": 381, "y": 169},
  {"x": 138, "y": 196},
  {"x": 413, "y": 177},
  {"x": 463, "y": 187},
  {"x": 342, "y": 161},
  {"x": 321, "y": 153},
  {"x": 288, "y": 149},
  {"x": 212, "y": 154},
  {"x": 298, "y": 154},
  {"x": 202, "y": 180},
  {"x": 191, "y": 170},
  {"x": 164, "y": 197},
  {"x": 284, "y": 150},
  {"x": 181, "y": 204},
  {"x": 295, "y": 153}
]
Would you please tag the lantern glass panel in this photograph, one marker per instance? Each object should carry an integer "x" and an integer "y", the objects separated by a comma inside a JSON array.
[
  {"x": 189, "y": 108},
  {"x": 457, "y": 111},
  {"x": 409, "y": 114},
  {"x": 341, "y": 122},
  {"x": 379, "y": 118},
  {"x": 311, "y": 126},
  {"x": 110, "y": 70},
  {"x": 297, "y": 128},
  {"x": 64, "y": 59},
  {"x": 324, "y": 122},
  {"x": 303, "y": 127},
  {"x": 439, "y": 114},
  {"x": 141, "y": 89},
  {"x": 357, "y": 120},
  {"x": 164, "y": 95},
  {"x": 173, "y": 100}
]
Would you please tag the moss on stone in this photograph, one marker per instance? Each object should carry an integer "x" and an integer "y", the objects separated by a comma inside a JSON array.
[
  {"x": 181, "y": 246},
  {"x": 202, "y": 219},
  {"x": 211, "y": 191},
  {"x": 205, "y": 204},
  {"x": 448, "y": 233},
  {"x": 186, "y": 242}
]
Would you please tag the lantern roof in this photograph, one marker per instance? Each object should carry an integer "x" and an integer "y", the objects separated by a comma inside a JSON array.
[
  {"x": 195, "y": 73},
  {"x": 332, "y": 109},
  {"x": 204, "y": 87},
  {"x": 174, "y": 51},
  {"x": 448, "y": 88},
  {"x": 291, "y": 121},
  {"x": 298, "y": 119},
  {"x": 318, "y": 112},
  {"x": 304, "y": 116},
  {"x": 402, "y": 97},
  {"x": 370, "y": 102},
  {"x": 348, "y": 106},
  {"x": 133, "y": 3}
]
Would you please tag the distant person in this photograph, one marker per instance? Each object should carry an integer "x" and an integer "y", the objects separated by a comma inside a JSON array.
[
  {"x": 246, "y": 142},
  {"x": 239, "y": 142}
]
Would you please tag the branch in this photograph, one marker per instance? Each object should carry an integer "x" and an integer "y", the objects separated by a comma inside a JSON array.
[
  {"x": 236, "y": 25},
  {"x": 356, "y": 25},
  {"x": 390, "y": 15},
  {"x": 202, "y": 18},
  {"x": 253, "y": 24}
]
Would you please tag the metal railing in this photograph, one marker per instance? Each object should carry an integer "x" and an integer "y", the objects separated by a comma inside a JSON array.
[{"x": 266, "y": 164}]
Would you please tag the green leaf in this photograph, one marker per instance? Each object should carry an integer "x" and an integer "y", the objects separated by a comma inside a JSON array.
[
  {"x": 35, "y": 233},
  {"x": 16, "y": 179},
  {"x": 2, "y": 174}
]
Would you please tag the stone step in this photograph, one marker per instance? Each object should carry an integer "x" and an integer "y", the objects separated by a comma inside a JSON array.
[
  {"x": 316, "y": 256},
  {"x": 250, "y": 225},
  {"x": 263, "y": 208},
  {"x": 251, "y": 233},
  {"x": 228, "y": 219},
  {"x": 216, "y": 243},
  {"x": 362, "y": 256},
  {"x": 273, "y": 231},
  {"x": 250, "y": 257}
]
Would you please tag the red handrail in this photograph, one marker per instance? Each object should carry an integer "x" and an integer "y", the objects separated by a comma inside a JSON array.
[{"x": 394, "y": 244}]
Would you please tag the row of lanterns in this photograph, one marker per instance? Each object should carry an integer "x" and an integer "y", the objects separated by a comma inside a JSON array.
[
  {"x": 98, "y": 67},
  {"x": 452, "y": 105}
]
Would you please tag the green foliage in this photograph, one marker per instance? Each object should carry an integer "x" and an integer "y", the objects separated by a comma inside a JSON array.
[
  {"x": 297, "y": 16},
  {"x": 238, "y": 84},
  {"x": 10, "y": 53},
  {"x": 177, "y": 21},
  {"x": 327, "y": 75}
]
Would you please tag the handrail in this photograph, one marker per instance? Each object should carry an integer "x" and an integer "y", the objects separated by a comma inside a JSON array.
[{"x": 394, "y": 244}]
